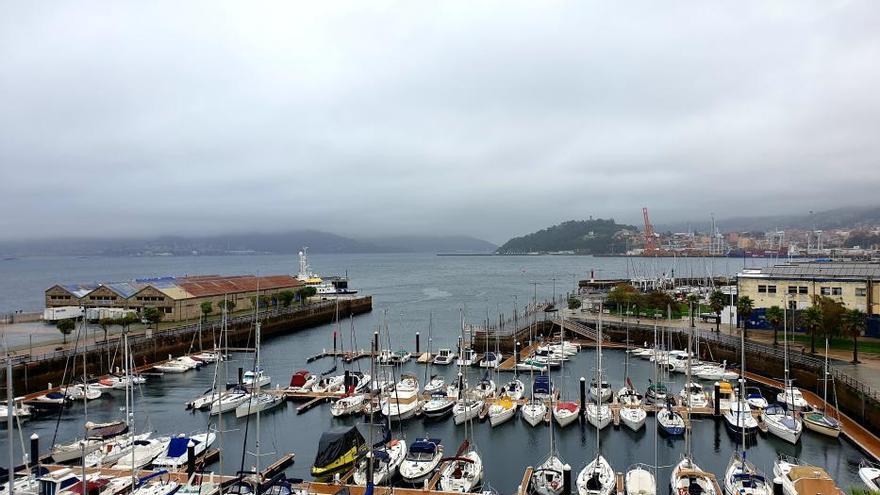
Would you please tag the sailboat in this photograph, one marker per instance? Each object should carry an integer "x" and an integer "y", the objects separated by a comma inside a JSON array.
[
  {"x": 741, "y": 476},
  {"x": 258, "y": 401},
  {"x": 464, "y": 472},
  {"x": 468, "y": 405},
  {"x": 566, "y": 412},
  {"x": 779, "y": 422},
  {"x": 599, "y": 413},
  {"x": 640, "y": 480},
  {"x": 632, "y": 413},
  {"x": 547, "y": 478},
  {"x": 822, "y": 422},
  {"x": 687, "y": 477},
  {"x": 534, "y": 410},
  {"x": 799, "y": 478},
  {"x": 422, "y": 458}
]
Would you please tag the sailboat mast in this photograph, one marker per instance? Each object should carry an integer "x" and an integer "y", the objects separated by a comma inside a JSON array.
[
  {"x": 687, "y": 426},
  {"x": 10, "y": 411},
  {"x": 825, "y": 379},
  {"x": 255, "y": 395},
  {"x": 742, "y": 392},
  {"x": 598, "y": 381}
]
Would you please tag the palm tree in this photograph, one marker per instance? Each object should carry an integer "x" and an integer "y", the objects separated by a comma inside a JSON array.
[
  {"x": 717, "y": 302},
  {"x": 693, "y": 305},
  {"x": 775, "y": 316},
  {"x": 811, "y": 318},
  {"x": 854, "y": 324},
  {"x": 744, "y": 308}
]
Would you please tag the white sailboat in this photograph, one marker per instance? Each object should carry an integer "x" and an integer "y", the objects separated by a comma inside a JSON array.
[
  {"x": 821, "y": 421},
  {"x": 632, "y": 413},
  {"x": 597, "y": 478},
  {"x": 565, "y": 412},
  {"x": 598, "y": 412},
  {"x": 779, "y": 422}
]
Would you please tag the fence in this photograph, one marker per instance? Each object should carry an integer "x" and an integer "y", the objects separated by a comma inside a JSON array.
[{"x": 268, "y": 314}]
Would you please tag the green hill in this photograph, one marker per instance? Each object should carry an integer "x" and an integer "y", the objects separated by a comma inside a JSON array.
[{"x": 577, "y": 236}]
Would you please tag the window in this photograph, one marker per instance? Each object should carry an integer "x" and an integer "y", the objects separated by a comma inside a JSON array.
[
  {"x": 836, "y": 291},
  {"x": 861, "y": 292},
  {"x": 167, "y": 310},
  {"x": 825, "y": 291},
  {"x": 771, "y": 289},
  {"x": 762, "y": 289},
  {"x": 792, "y": 289},
  {"x": 803, "y": 290}
]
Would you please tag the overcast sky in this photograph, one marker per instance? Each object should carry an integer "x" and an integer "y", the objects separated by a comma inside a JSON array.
[{"x": 485, "y": 118}]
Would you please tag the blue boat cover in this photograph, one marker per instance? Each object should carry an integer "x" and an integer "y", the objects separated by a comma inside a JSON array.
[
  {"x": 54, "y": 395},
  {"x": 425, "y": 445},
  {"x": 381, "y": 455},
  {"x": 177, "y": 447},
  {"x": 542, "y": 384}
]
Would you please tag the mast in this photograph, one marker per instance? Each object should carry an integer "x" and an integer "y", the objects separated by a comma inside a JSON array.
[
  {"x": 598, "y": 382},
  {"x": 10, "y": 411},
  {"x": 687, "y": 426},
  {"x": 742, "y": 395},
  {"x": 825, "y": 380},
  {"x": 129, "y": 411},
  {"x": 255, "y": 395}
]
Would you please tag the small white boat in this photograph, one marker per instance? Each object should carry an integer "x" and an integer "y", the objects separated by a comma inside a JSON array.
[
  {"x": 597, "y": 478},
  {"x": 793, "y": 398},
  {"x": 514, "y": 389},
  {"x": 755, "y": 399},
  {"x": 870, "y": 475},
  {"x": 255, "y": 378},
  {"x": 795, "y": 475},
  {"x": 547, "y": 479},
  {"x": 467, "y": 358},
  {"x": 462, "y": 474},
  {"x": 82, "y": 392},
  {"x": 531, "y": 365},
  {"x": 444, "y": 357},
  {"x": 302, "y": 381},
  {"x": 632, "y": 416},
  {"x": 386, "y": 462},
  {"x": 485, "y": 388},
  {"x": 422, "y": 458},
  {"x": 347, "y": 406},
  {"x": 490, "y": 360},
  {"x": 75, "y": 450},
  {"x": 739, "y": 417},
  {"x": 19, "y": 411},
  {"x": 600, "y": 416},
  {"x": 602, "y": 390},
  {"x": 783, "y": 425},
  {"x": 822, "y": 423},
  {"x": 259, "y": 403},
  {"x": 743, "y": 478},
  {"x": 502, "y": 410},
  {"x": 465, "y": 409},
  {"x": 154, "y": 484},
  {"x": 208, "y": 356},
  {"x": 119, "y": 382},
  {"x": 688, "y": 478},
  {"x": 640, "y": 480},
  {"x": 113, "y": 450},
  {"x": 436, "y": 384},
  {"x": 172, "y": 366},
  {"x": 693, "y": 394},
  {"x": 533, "y": 412},
  {"x": 438, "y": 406},
  {"x": 141, "y": 453},
  {"x": 177, "y": 453},
  {"x": 403, "y": 401},
  {"x": 229, "y": 401},
  {"x": 566, "y": 413}
]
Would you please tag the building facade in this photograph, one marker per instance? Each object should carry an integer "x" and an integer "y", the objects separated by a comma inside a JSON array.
[
  {"x": 795, "y": 285},
  {"x": 179, "y": 298}
]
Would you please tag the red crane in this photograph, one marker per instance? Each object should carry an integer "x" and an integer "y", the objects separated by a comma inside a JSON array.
[{"x": 650, "y": 246}]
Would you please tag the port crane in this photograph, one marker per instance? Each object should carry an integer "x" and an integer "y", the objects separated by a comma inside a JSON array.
[{"x": 650, "y": 245}]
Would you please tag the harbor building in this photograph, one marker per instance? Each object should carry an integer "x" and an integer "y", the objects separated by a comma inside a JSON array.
[
  {"x": 855, "y": 284},
  {"x": 179, "y": 298}
]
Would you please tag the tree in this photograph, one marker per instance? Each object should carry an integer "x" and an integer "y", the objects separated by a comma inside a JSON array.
[
  {"x": 717, "y": 303},
  {"x": 811, "y": 318},
  {"x": 655, "y": 301},
  {"x": 775, "y": 316},
  {"x": 152, "y": 315},
  {"x": 286, "y": 297},
  {"x": 228, "y": 304},
  {"x": 832, "y": 318},
  {"x": 264, "y": 301},
  {"x": 207, "y": 309},
  {"x": 621, "y": 295},
  {"x": 854, "y": 323},
  {"x": 574, "y": 303},
  {"x": 304, "y": 293},
  {"x": 66, "y": 327},
  {"x": 744, "y": 308},
  {"x": 693, "y": 305}
]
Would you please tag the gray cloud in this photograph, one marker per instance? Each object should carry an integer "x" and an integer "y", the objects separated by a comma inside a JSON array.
[{"x": 490, "y": 119}]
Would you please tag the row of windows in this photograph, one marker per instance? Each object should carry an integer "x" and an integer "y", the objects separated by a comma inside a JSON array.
[
  {"x": 831, "y": 291},
  {"x": 150, "y": 298},
  {"x": 825, "y": 291},
  {"x": 767, "y": 289},
  {"x": 102, "y": 298},
  {"x": 793, "y": 289},
  {"x": 59, "y": 297}
]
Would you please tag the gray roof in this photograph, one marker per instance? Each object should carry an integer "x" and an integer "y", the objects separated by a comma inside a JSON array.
[{"x": 841, "y": 270}]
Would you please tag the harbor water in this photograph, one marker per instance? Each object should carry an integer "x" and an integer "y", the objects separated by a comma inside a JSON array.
[{"x": 407, "y": 290}]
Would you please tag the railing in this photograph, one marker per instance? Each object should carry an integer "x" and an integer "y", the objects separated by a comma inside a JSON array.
[{"x": 267, "y": 314}]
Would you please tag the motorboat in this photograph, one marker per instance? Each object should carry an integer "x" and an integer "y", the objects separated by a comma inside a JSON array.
[
  {"x": 513, "y": 389},
  {"x": 628, "y": 396},
  {"x": 688, "y": 478},
  {"x": 50, "y": 401},
  {"x": 435, "y": 384},
  {"x": 669, "y": 421},
  {"x": 76, "y": 449},
  {"x": 738, "y": 419},
  {"x": 531, "y": 365},
  {"x": 502, "y": 410},
  {"x": 348, "y": 405},
  {"x": 439, "y": 405},
  {"x": 302, "y": 382},
  {"x": 386, "y": 461},
  {"x": 802, "y": 479},
  {"x": 462, "y": 473},
  {"x": 444, "y": 357},
  {"x": 466, "y": 358},
  {"x": 20, "y": 411},
  {"x": 177, "y": 452},
  {"x": 534, "y": 412},
  {"x": 141, "y": 453},
  {"x": 566, "y": 412},
  {"x": 385, "y": 357},
  {"x": 154, "y": 484},
  {"x": 822, "y": 423},
  {"x": 172, "y": 366},
  {"x": 782, "y": 424},
  {"x": 656, "y": 393},
  {"x": 117, "y": 382},
  {"x": 255, "y": 378},
  {"x": 338, "y": 450},
  {"x": 715, "y": 372},
  {"x": 208, "y": 356},
  {"x": 547, "y": 479},
  {"x": 402, "y": 402},
  {"x": 229, "y": 400},
  {"x": 329, "y": 384},
  {"x": 82, "y": 391},
  {"x": 422, "y": 459},
  {"x": 258, "y": 403},
  {"x": 542, "y": 388},
  {"x": 792, "y": 398},
  {"x": 598, "y": 415},
  {"x": 640, "y": 480},
  {"x": 485, "y": 388},
  {"x": 693, "y": 395},
  {"x": 113, "y": 450},
  {"x": 465, "y": 409},
  {"x": 755, "y": 399},
  {"x": 727, "y": 395},
  {"x": 870, "y": 475},
  {"x": 601, "y": 389},
  {"x": 743, "y": 478},
  {"x": 490, "y": 360},
  {"x": 597, "y": 478}
]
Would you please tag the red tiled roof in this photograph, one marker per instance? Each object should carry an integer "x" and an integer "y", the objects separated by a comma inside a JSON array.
[{"x": 216, "y": 285}]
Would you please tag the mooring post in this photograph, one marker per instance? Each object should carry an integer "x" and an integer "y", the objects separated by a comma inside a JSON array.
[
  {"x": 717, "y": 399},
  {"x": 190, "y": 458},
  {"x": 240, "y": 374},
  {"x": 417, "y": 343},
  {"x": 334, "y": 341},
  {"x": 376, "y": 342},
  {"x": 566, "y": 479},
  {"x": 516, "y": 346},
  {"x": 35, "y": 450},
  {"x": 583, "y": 396}
]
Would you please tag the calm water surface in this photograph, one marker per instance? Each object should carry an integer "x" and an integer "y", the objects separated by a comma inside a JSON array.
[{"x": 409, "y": 288}]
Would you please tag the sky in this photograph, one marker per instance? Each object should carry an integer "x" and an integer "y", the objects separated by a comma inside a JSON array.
[{"x": 491, "y": 119}]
